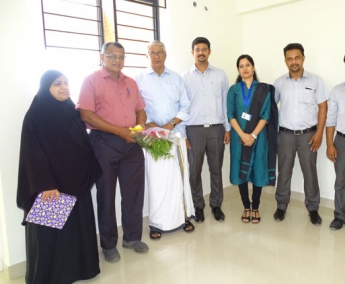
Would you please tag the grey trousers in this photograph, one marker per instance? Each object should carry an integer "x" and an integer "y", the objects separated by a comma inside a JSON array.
[
  {"x": 210, "y": 141},
  {"x": 288, "y": 145},
  {"x": 339, "y": 186}
]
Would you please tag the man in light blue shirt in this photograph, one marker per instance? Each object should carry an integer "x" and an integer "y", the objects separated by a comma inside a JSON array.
[
  {"x": 207, "y": 127},
  {"x": 336, "y": 150},
  {"x": 167, "y": 106},
  {"x": 302, "y": 115}
]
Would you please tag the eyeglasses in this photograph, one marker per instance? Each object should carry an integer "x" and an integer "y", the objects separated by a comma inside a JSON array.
[
  {"x": 113, "y": 56},
  {"x": 201, "y": 49},
  {"x": 154, "y": 54}
]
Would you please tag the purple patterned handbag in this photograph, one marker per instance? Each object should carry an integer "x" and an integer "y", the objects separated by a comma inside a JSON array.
[{"x": 54, "y": 214}]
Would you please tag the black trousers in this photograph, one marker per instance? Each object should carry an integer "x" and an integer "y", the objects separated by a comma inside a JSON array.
[
  {"x": 124, "y": 162},
  {"x": 255, "y": 196}
]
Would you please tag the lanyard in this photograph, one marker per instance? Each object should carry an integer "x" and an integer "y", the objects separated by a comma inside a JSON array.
[{"x": 246, "y": 99}]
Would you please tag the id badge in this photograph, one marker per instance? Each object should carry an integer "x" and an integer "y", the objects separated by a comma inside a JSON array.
[{"x": 246, "y": 116}]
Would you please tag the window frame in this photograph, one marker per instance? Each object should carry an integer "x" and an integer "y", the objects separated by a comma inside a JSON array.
[
  {"x": 99, "y": 21},
  {"x": 155, "y": 4}
]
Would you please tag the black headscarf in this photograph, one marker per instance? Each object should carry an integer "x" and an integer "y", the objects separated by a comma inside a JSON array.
[{"x": 55, "y": 151}]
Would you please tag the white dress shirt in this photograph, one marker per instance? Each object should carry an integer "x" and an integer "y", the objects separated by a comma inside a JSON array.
[
  {"x": 336, "y": 108},
  {"x": 299, "y": 100},
  {"x": 165, "y": 97},
  {"x": 207, "y": 93}
]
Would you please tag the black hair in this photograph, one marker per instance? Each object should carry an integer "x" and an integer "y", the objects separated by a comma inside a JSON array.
[
  {"x": 292, "y": 46},
  {"x": 114, "y": 43},
  {"x": 201, "y": 40},
  {"x": 250, "y": 59}
]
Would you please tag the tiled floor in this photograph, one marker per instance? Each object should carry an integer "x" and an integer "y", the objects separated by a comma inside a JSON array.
[{"x": 292, "y": 251}]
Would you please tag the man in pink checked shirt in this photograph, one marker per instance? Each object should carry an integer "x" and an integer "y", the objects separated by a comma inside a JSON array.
[{"x": 109, "y": 104}]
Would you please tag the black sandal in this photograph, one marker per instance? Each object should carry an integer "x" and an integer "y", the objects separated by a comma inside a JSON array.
[
  {"x": 256, "y": 217},
  {"x": 246, "y": 216},
  {"x": 188, "y": 227},
  {"x": 155, "y": 235}
]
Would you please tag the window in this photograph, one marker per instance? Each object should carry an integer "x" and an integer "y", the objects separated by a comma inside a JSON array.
[
  {"x": 75, "y": 30},
  {"x": 133, "y": 23}
]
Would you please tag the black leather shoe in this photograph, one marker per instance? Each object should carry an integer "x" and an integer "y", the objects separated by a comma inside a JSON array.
[
  {"x": 218, "y": 214},
  {"x": 279, "y": 215},
  {"x": 315, "y": 218},
  {"x": 199, "y": 215},
  {"x": 336, "y": 224}
]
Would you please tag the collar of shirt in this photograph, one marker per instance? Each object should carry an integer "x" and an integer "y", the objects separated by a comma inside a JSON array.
[
  {"x": 304, "y": 74},
  {"x": 209, "y": 66},
  {"x": 105, "y": 74},
  {"x": 150, "y": 70}
]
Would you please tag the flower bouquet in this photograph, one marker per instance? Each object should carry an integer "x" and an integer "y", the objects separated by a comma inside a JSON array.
[{"x": 156, "y": 140}]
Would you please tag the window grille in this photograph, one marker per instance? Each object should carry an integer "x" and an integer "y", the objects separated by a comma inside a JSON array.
[
  {"x": 77, "y": 29},
  {"x": 73, "y": 28}
]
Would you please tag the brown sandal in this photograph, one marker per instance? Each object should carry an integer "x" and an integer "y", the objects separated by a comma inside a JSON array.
[
  {"x": 246, "y": 216},
  {"x": 256, "y": 217},
  {"x": 188, "y": 227},
  {"x": 155, "y": 235}
]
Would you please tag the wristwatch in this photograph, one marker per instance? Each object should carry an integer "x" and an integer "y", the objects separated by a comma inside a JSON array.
[{"x": 173, "y": 122}]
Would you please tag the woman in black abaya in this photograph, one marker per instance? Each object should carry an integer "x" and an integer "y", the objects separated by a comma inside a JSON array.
[{"x": 56, "y": 156}]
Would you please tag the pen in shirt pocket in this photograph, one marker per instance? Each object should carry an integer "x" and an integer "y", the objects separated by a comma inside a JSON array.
[
  {"x": 309, "y": 88},
  {"x": 128, "y": 91}
]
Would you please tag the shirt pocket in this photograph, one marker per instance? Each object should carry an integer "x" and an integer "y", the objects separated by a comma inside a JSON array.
[
  {"x": 308, "y": 97},
  {"x": 213, "y": 88},
  {"x": 171, "y": 93}
]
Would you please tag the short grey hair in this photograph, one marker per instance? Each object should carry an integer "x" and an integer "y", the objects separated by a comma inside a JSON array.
[
  {"x": 156, "y": 42},
  {"x": 114, "y": 43}
]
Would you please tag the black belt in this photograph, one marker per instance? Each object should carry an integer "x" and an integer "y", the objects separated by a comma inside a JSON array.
[
  {"x": 298, "y": 132},
  {"x": 206, "y": 125},
  {"x": 341, "y": 134}
]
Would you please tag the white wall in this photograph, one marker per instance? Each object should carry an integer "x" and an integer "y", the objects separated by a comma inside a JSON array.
[
  {"x": 319, "y": 26},
  {"x": 22, "y": 61},
  {"x": 2, "y": 232},
  {"x": 19, "y": 57},
  {"x": 181, "y": 23},
  {"x": 244, "y": 6}
]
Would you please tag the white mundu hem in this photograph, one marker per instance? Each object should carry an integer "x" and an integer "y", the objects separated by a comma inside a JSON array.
[{"x": 168, "y": 192}]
